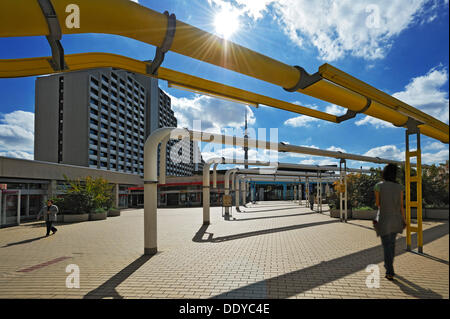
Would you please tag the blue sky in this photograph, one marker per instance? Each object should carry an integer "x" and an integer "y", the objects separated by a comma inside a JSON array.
[{"x": 398, "y": 46}]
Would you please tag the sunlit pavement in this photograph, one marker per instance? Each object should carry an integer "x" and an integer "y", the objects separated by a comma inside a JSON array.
[{"x": 271, "y": 250}]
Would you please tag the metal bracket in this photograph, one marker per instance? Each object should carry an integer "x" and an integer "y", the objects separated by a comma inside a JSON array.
[
  {"x": 352, "y": 114},
  {"x": 57, "y": 61},
  {"x": 150, "y": 182},
  {"x": 167, "y": 43},
  {"x": 305, "y": 80},
  {"x": 411, "y": 125}
]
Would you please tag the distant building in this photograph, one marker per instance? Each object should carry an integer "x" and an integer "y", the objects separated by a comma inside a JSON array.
[{"x": 101, "y": 118}]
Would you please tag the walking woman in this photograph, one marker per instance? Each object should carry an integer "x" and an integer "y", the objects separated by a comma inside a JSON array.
[
  {"x": 50, "y": 211},
  {"x": 391, "y": 221}
]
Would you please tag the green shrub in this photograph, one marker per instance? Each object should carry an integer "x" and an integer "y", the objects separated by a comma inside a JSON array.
[
  {"x": 364, "y": 208},
  {"x": 85, "y": 196},
  {"x": 98, "y": 211}
]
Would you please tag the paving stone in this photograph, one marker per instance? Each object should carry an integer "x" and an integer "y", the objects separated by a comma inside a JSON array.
[{"x": 267, "y": 252}]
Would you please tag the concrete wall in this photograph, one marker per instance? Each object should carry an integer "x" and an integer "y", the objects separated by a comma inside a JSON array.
[
  {"x": 76, "y": 117},
  {"x": 26, "y": 169},
  {"x": 46, "y": 119}
]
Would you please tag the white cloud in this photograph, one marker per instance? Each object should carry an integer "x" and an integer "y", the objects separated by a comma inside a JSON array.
[
  {"x": 424, "y": 92},
  {"x": 344, "y": 27},
  {"x": 335, "y": 110},
  {"x": 17, "y": 154},
  {"x": 387, "y": 152},
  {"x": 17, "y": 134},
  {"x": 435, "y": 158},
  {"x": 393, "y": 152},
  {"x": 301, "y": 121},
  {"x": 368, "y": 120},
  {"x": 215, "y": 114},
  {"x": 434, "y": 146}
]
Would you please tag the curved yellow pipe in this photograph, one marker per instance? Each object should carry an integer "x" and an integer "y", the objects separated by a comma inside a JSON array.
[
  {"x": 82, "y": 61},
  {"x": 128, "y": 19}
]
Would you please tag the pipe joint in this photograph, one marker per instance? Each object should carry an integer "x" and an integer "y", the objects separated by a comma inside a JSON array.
[
  {"x": 352, "y": 114},
  {"x": 305, "y": 80},
  {"x": 57, "y": 61},
  {"x": 161, "y": 51}
]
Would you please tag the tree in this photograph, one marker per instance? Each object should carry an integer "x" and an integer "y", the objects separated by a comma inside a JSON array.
[{"x": 86, "y": 196}]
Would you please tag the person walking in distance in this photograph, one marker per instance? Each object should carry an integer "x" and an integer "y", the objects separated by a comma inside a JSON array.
[
  {"x": 391, "y": 215},
  {"x": 312, "y": 198},
  {"x": 49, "y": 212}
]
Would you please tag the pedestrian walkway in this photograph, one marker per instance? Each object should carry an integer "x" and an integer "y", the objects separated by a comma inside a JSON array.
[{"x": 269, "y": 250}]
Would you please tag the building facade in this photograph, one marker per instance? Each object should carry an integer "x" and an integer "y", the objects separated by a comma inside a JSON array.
[
  {"x": 101, "y": 119},
  {"x": 25, "y": 185}
]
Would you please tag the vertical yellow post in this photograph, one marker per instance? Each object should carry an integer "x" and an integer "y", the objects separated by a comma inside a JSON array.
[
  {"x": 413, "y": 129},
  {"x": 419, "y": 195},
  {"x": 408, "y": 194}
]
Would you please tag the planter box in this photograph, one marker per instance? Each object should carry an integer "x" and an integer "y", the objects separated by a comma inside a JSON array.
[
  {"x": 436, "y": 213},
  {"x": 114, "y": 212},
  {"x": 98, "y": 216},
  {"x": 75, "y": 218},
  {"x": 431, "y": 213},
  {"x": 335, "y": 213},
  {"x": 365, "y": 214}
]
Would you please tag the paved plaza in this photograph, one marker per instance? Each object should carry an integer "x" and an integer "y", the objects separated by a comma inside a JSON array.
[{"x": 270, "y": 250}]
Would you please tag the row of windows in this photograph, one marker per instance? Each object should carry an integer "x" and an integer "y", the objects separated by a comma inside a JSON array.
[
  {"x": 113, "y": 107},
  {"x": 121, "y": 168},
  {"x": 117, "y": 128},
  {"x": 131, "y": 86}
]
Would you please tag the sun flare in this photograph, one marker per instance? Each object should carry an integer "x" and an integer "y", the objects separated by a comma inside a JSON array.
[{"x": 226, "y": 23}]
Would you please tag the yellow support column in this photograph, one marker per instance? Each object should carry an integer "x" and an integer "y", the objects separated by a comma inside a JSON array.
[
  {"x": 408, "y": 193},
  {"x": 413, "y": 129},
  {"x": 419, "y": 195}
]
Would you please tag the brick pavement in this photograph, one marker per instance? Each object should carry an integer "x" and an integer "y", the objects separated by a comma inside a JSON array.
[{"x": 272, "y": 250}]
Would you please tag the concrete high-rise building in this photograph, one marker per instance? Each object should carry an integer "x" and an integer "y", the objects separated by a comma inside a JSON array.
[{"x": 101, "y": 118}]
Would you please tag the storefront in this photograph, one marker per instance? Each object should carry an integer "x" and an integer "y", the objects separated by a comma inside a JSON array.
[{"x": 22, "y": 201}]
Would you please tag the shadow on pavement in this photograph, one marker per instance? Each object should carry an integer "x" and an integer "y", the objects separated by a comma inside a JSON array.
[
  {"x": 432, "y": 257},
  {"x": 267, "y": 210},
  {"x": 108, "y": 289},
  {"x": 414, "y": 290},
  {"x": 270, "y": 217},
  {"x": 23, "y": 242},
  {"x": 198, "y": 238},
  {"x": 294, "y": 283}
]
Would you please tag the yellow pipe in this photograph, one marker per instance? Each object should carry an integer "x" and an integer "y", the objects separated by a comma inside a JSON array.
[
  {"x": 77, "y": 62},
  {"x": 340, "y": 77},
  {"x": 126, "y": 18}
]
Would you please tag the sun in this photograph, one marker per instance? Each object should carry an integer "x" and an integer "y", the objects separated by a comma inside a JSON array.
[{"x": 226, "y": 23}]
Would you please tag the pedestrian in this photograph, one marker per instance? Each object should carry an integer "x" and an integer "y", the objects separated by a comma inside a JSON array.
[
  {"x": 391, "y": 215},
  {"x": 311, "y": 200},
  {"x": 49, "y": 212}
]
